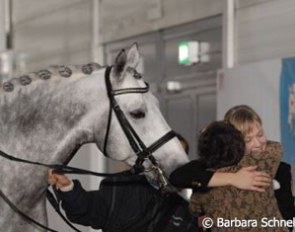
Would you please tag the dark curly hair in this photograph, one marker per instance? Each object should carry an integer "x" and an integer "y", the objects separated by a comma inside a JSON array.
[{"x": 220, "y": 145}]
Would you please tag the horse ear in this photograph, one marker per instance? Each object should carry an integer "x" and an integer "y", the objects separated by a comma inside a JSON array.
[
  {"x": 120, "y": 62},
  {"x": 133, "y": 56}
]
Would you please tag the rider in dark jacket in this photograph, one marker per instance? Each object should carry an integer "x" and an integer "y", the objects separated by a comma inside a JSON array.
[{"x": 126, "y": 203}]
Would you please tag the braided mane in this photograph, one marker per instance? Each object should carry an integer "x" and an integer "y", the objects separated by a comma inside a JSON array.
[{"x": 51, "y": 72}]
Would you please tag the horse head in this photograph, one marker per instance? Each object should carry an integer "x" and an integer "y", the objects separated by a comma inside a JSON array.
[{"x": 141, "y": 110}]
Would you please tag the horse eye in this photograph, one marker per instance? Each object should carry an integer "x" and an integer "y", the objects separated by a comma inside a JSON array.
[{"x": 137, "y": 114}]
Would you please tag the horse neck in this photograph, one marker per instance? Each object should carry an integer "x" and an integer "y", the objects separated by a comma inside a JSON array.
[{"x": 48, "y": 119}]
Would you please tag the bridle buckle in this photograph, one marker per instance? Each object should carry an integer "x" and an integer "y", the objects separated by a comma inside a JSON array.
[{"x": 160, "y": 176}]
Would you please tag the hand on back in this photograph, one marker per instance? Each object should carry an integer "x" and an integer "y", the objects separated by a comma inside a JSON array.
[{"x": 249, "y": 179}]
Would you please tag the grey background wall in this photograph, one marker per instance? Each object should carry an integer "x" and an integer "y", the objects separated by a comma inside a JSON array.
[
  {"x": 53, "y": 32},
  {"x": 60, "y": 30},
  {"x": 265, "y": 31},
  {"x": 255, "y": 84}
]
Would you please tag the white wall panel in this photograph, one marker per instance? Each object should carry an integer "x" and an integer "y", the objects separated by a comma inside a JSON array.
[
  {"x": 266, "y": 31},
  {"x": 256, "y": 85}
]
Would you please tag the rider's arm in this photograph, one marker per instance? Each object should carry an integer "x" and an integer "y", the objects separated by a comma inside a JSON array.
[
  {"x": 191, "y": 175},
  {"x": 89, "y": 208},
  {"x": 194, "y": 175}
]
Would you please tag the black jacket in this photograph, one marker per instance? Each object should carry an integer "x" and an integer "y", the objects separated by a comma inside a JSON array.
[
  {"x": 284, "y": 194},
  {"x": 127, "y": 204},
  {"x": 191, "y": 175}
]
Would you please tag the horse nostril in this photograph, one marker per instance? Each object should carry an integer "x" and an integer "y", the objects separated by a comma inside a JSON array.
[{"x": 137, "y": 114}]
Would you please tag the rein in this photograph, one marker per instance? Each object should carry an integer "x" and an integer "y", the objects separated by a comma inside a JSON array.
[{"x": 143, "y": 153}]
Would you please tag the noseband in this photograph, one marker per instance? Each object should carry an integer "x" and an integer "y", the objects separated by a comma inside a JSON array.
[{"x": 143, "y": 153}]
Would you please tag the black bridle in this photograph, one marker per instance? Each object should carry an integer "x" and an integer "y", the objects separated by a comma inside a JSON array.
[{"x": 143, "y": 153}]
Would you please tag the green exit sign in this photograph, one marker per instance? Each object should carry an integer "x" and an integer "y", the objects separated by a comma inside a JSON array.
[{"x": 188, "y": 52}]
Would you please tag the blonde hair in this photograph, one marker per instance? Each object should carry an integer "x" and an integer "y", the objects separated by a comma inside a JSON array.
[{"x": 242, "y": 118}]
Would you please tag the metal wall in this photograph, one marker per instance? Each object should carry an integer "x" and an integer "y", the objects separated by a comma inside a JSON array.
[
  {"x": 123, "y": 19},
  {"x": 53, "y": 32},
  {"x": 264, "y": 30}
]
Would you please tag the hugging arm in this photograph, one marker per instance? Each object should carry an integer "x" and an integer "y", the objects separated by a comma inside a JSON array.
[{"x": 194, "y": 175}]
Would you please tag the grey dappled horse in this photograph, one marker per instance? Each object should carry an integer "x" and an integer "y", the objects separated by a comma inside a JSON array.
[{"x": 45, "y": 115}]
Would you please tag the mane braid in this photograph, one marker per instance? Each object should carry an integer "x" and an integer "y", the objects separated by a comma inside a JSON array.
[{"x": 51, "y": 71}]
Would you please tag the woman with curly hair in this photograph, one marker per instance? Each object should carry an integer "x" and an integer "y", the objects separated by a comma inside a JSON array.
[{"x": 220, "y": 145}]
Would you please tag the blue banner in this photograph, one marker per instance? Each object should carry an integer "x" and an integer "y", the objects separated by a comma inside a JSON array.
[{"x": 287, "y": 109}]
